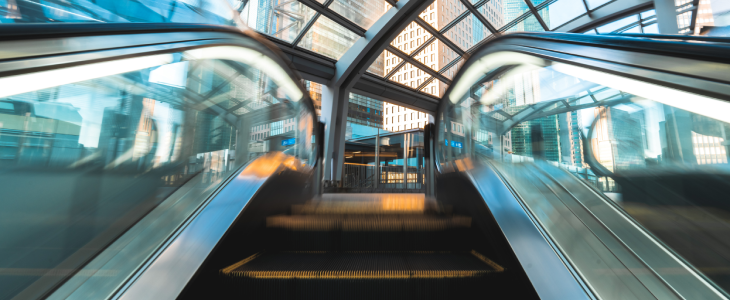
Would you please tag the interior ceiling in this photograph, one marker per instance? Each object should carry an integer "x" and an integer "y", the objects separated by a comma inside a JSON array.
[{"x": 315, "y": 34}]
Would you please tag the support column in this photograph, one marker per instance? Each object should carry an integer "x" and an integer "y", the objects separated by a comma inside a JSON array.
[
  {"x": 334, "y": 113},
  {"x": 666, "y": 14},
  {"x": 351, "y": 65},
  {"x": 377, "y": 160}
]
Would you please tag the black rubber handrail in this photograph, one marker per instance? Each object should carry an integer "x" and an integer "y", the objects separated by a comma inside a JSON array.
[{"x": 703, "y": 48}]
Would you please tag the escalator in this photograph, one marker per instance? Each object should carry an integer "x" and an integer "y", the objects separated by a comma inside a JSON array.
[
  {"x": 356, "y": 246},
  {"x": 184, "y": 161}
]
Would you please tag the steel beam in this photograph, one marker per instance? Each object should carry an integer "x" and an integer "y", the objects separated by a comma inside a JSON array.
[
  {"x": 349, "y": 69},
  {"x": 605, "y": 14},
  {"x": 435, "y": 33},
  {"x": 418, "y": 64},
  {"x": 480, "y": 17},
  {"x": 316, "y": 6}
]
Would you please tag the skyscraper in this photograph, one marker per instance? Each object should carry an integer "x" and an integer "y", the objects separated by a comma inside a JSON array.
[
  {"x": 436, "y": 56},
  {"x": 617, "y": 144}
]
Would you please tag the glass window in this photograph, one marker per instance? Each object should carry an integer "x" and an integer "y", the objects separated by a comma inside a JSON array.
[
  {"x": 653, "y": 28},
  {"x": 381, "y": 65},
  {"x": 86, "y": 152},
  {"x": 637, "y": 167},
  {"x": 531, "y": 24},
  {"x": 510, "y": 11},
  {"x": 409, "y": 39},
  {"x": 560, "y": 12},
  {"x": 284, "y": 20},
  {"x": 593, "y": 4},
  {"x": 456, "y": 33},
  {"x": 363, "y": 13},
  {"x": 616, "y": 25},
  {"x": 648, "y": 14},
  {"x": 153, "y": 11},
  {"x": 328, "y": 38}
]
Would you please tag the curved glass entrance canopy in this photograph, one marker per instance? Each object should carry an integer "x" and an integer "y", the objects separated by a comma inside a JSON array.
[{"x": 418, "y": 47}]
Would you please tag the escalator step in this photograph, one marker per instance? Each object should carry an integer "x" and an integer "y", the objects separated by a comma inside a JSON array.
[
  {"x": 362, "y": 265},
  {"x": 365, "y": 275},
  {"x": 367, "y": 223}
]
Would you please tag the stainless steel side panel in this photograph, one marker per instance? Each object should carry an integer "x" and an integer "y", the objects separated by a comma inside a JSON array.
[{"x": 550, "y": 277}]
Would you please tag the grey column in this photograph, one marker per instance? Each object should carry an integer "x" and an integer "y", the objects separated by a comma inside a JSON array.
[
  {"x": 377, "y": 159},
  {"x": 666, "y": 13},
  {"x": 405, "y": 160},
  {"x": 348, "y": 70},
  {"x": 334, "y": 113}
]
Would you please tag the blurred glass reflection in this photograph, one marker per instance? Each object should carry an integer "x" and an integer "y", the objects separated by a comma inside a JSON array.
[
  {"x": 82, "y": 162},
  {"x": 659, "y": 155},
  {"x": 151, "y": 11}
]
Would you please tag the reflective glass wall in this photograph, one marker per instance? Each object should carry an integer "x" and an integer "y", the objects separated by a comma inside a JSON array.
[
  {"x": 220, "y": 12},
  {"x": 620, "y": 173},
  {"x": 87, "y": 152}
]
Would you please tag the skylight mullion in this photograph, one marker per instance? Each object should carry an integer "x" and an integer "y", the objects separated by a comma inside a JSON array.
[
  {"x": 453, "y": 22},
  {"x": 337, "y": 18},
  {"x": 395, "y": 69},
  {"x": 425, "y": 83},
  {"x": 693, "y": 22},
  {"x": 516, "y": 21},
  {"x": 417, "y": 64},
  {"x": 480, "y": 17},
  {"x": 537, "y": 16},
  {"x": 545, "y": 4},
  {"x": 423, "y": 45},
  {"x": 627, "y": 27},
  {"x": 306, "y": 29},
  {"x": 439, "y": 36},
  {"x": 588, "y": 10},
  {"x": 450, "y": 64}
]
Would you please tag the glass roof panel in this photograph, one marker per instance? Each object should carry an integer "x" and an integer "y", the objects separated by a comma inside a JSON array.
[
  {"x": 446, "y": 12},
  {"x": 529, "y": 24},
  {"x": 653, "y": 28},
  {"x": 391, "y": 61},
  {"x": 512, "y": 10},
  {"x": 616, "y": 25},
  {"x": 461, "y": 34},
  {"x": 593, "y": 4},
  {"x": 451, "y": 72},
  {"x": 378, "y": 66},
  {"x": 410, "y": 38},
  {"x": 328, "y": 38},
  {"x": 363, "y": 13},
  {"x": 441, "y": 87},
  {"x": 430, "y": 15},
  {"x": 493, "y": 12},
  {"x": 436, "y": 55},
  {"x": 479, "y": 33},
  {"x": 562, "y": 11},
  {"x": 648, "y": 14},
  {"x": 285, "y": 21},
  {"x": 409, "y": 75},
  {"x": 430, "y": 87},
  {"x": 635, "y": 29}
]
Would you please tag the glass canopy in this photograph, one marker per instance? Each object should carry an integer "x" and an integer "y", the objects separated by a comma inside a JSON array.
[
  {"x": 448, "y": 29},
  {"x": 431, "y": 47}
]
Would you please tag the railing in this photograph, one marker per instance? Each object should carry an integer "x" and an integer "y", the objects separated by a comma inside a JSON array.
[{"x": 390, "y": 177}]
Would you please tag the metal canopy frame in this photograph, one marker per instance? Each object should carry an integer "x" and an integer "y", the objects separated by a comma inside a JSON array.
[
  {"x": 321, "y": 69},
  {"x": 350, "y": 72}
]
